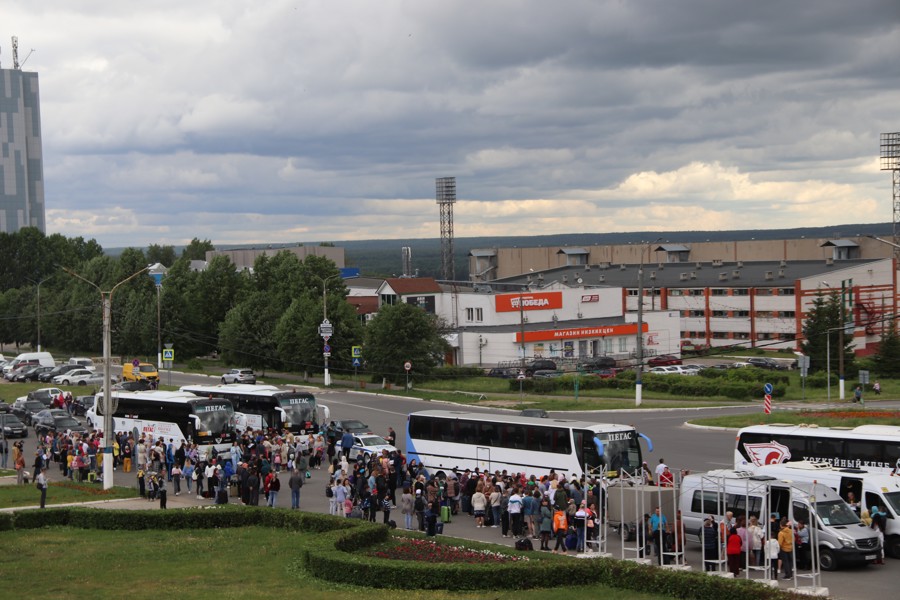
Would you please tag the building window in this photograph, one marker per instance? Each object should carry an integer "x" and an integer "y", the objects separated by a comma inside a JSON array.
[
  {"x": 388, "y": 299},
  {"x": 741, "y": 335},
  {"x": 787, "y": 314},
  {"x": 764, "y": 314},
  {"x": 788, "y": 337},
  {"x": 623, "y": 344},
  {"x": 676, "y": 292},
  {"x": 695, "y": 292},
  {"x": 740, "y": 292},
  {"x": 475, "y": 315},
  {"x": 786, "y": 291},
  {"x": 632, "y": 292},
  {"x": 720, "y": 335},
  {"x": 722, "y": 314},
  {"x": 719, "y": 292},
  {"x": 764, "y": 291},
  {"x": 695, "y": 313},
  {"x": 764, "y": 336},
  {"x": 740, "y": 314}
]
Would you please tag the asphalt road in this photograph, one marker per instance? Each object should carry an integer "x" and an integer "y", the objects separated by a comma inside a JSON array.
[{"x": 679, "y": 445}]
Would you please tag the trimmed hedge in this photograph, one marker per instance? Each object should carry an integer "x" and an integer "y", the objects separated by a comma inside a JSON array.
[{"x": 335, "y": 554}]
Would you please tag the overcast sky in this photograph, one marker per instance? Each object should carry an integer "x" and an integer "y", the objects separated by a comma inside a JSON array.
[{"x": 248, "y": 122}]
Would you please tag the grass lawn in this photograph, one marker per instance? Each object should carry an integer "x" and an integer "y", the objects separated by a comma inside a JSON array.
[
  {"x": 850, "y": 417},
  {"x": 247, "y": 562},
  {"x": 60, "y": 492}
]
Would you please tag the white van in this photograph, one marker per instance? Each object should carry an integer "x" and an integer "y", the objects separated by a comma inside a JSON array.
[
  {"x": 842, "y": 537},
  {"x": 41, "y": 358},
  {"x": 870, "y": 489},
  {"x": 83, "y": 362}
]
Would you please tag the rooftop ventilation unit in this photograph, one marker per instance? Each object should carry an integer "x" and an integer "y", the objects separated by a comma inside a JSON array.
[
  {"x": 601, "y": 279},
  {"x": 683, "y": 276},
  {"x": 693, "y": 275},
  {"x": 622, "y": 267},
  {"x": 717, "y": 262},
  {"x": 781, "y": 273},
  {"x": 736, "y": 274},
  {"x": 662, "y": 266},
  {"x": 587, "y": 267},
  {"x": 699, "y": 265},
  {"x": 740, "y": 264},
  {"x": 652, "y": 274},
  {"x": 783, "y": 263},
  {"x": 770, "y": 275},
  {"x": 723, "y": 276},
  {"x": 829, "y": 261}
]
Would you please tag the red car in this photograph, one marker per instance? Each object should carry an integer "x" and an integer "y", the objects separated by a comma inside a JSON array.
[
  {"x": 664, "y": 360},
  {"x": 604, "y": 373}
]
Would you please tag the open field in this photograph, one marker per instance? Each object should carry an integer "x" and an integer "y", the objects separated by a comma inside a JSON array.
[{"x": 247, "y": 562}]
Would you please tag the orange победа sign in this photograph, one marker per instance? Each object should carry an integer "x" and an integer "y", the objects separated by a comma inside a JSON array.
[{"x": 528, "y": 301}]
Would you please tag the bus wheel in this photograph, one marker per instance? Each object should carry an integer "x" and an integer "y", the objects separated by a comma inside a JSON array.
[{"x": 827, "y": 561}]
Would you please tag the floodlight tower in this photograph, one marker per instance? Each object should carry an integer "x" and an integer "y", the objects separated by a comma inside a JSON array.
[
  {"x": 890, "y": 161},
  {"x": 446, "y": 197}
]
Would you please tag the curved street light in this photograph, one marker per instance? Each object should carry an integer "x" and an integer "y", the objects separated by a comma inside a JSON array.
[
  {"x": 108, "y": 433},
  {"x": 38, "y": 284}
]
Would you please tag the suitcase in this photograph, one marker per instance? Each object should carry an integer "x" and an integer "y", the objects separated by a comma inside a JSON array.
[
  {"x": 445, "y": 514},
  {"x": 222, "y": 497},
  {"x": 439, "y": 528}
]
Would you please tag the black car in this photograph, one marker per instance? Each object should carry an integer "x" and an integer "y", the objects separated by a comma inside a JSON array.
[
  {"x": 503, "y": 373},
  {"x": 32, "y": 372},
  {"x": 12, "y": 426},
  {"x": 56, "y": 420},
  {"x": 766, "y": 363},
  {"x": 44, "y": 396},
  {"x": 4, "y": 407},
  {"x": 81, "y": 404},
  {"x": 336, "y": 429},
  {"x": 598, "y": 363},
  {"x": 538, "y": 413},
  {"x": 540, "y": 364},
  {"x": 58, "y": 370},
  {"x": 139, "y": 385},
  {"x": 24, "y": 409}
]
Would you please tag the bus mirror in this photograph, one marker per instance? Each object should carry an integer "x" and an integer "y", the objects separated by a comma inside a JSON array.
[
  {"x": 599, "y": 443},
  {"x": 326, "y": 412},
  {"x": 196, "y": 420},
  {"x": 649, "y": 442}
]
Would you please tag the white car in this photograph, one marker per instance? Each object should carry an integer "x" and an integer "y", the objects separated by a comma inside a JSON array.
[
  {"x": 368, "y": 443},
  {"x": 79, "y": 377},
  {"x": 239, "y": 376}
]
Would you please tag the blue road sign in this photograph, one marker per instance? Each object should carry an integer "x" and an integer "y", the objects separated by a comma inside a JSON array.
[
  {"x": 327, "y": 348},
  {"x": 356, "y": 362},
  {"x": 767, "y": 388}
]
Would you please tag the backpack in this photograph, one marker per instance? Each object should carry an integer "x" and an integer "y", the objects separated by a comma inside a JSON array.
[
  {"x": 329, "y": 493},
  {"x": 524, "y": 544},
  {"x": 560, "y": 521},
  {"x": 420, "y": 504}
]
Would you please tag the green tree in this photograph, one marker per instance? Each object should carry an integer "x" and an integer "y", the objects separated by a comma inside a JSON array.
[
  {"x": 247, "y": 335},
  {"x": 887, "y": 357},
  {"x": 164, "y": 255},
  {"x": 401, "y": 333},
  {"x": 197, "y": 250},
  {"x": 822, "y": 318}
]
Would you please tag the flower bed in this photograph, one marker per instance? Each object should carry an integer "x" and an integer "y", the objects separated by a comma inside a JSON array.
[
  {"x": 852, "y": 414},
  {"x": 431, "y": 552}
]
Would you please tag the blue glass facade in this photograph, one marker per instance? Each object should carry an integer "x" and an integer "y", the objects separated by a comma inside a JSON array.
[{"x": 21, "y": 154}]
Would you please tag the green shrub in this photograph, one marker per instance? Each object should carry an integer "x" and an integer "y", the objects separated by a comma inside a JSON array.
[{"x": 195, "y": 364}]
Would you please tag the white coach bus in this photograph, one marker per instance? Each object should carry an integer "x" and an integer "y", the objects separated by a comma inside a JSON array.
[
  {"x": 442, "y": 440},
  {"x": 875, "y": 448}
]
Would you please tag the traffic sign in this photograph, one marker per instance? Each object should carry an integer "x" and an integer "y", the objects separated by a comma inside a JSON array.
[
  {"x": 521, "y": 375},
  {"x": 356, "y": 351},
  {"x": 135, "y": 363},
  {"x": 326, "y": 354},
  {"x": 168, "y": 354},
  {"x": 407, "y": 365},
  {"x": 356, "y": 362},
  {"x": 768, "y": 389},
  {"x": 326, "y": 329},
  {"x": 326, "y": 348}
]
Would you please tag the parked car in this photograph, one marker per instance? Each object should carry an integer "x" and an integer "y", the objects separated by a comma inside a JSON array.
[
  {"x": 367, "y": 444},
  {"x": 540, "y": 364},
  {"x": 140, "y": 385},
  {"x": 45, "y": 395},
  {"x": 58, "y": 370},
  {"x": 537, "y": 413},
  {"x": 503, "y": 372},
  {"x": 24, "y": 409},
  {"x": 239, "y": 376},
  {"x": 12, "y": 426},
  {"x": 337, "y": 428},
  {"x": 80, "y": 404},
  {"x": 31, "y": 373},
  {"x": 56, "y": 420},
  {"x": 667, "y": 370},
  {"x": 546, "y": 374},
  {"x": 15, "y": 372},
  {"x": 4, "y": 407},
  {"x": 664, "y": 360},
  {"x": 767, "y": 363},
  {"x": 598, "y": 363},
  {"x": 79, "y": 377}
]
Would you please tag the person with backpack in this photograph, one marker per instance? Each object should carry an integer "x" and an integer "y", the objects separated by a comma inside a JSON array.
[
  {"x": 560, "y": 529},
  {"x": 419, "y": 506}
]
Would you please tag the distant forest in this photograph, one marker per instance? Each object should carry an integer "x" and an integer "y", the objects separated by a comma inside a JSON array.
[{"x": 382, "y": 258}]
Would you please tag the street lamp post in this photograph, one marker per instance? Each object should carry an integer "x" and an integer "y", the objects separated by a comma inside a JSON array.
[
  {"x": 38, "y": 284},
  {"x": 108, "y": 433},
  {"x": 638, "y": 384},
  {"x": 325, "y": 335}
]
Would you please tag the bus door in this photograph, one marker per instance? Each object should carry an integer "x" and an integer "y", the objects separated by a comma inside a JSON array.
[
  {"x": 855, "y": 485},
  {"x": 483, "y": 456}
]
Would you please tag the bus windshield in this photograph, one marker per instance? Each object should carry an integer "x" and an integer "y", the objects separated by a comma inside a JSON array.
[
  {"x": 299, "y": 409},
  {"x": 215, "y": 417},
  {"x": 836, "y": 512}
]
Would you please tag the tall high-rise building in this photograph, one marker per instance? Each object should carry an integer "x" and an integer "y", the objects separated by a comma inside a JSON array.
[{"x": 21, "y": 156}]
